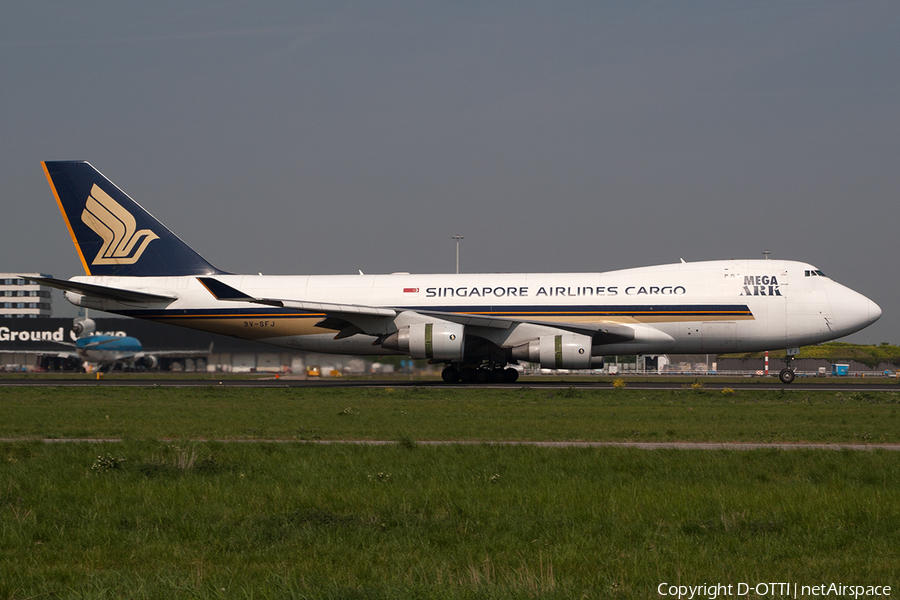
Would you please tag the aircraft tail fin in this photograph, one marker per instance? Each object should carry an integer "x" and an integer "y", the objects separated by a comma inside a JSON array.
[{"x": 113, "y": 234}]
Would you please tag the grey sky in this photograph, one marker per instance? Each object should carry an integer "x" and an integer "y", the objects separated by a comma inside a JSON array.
[{"x": 288, "y": 137}]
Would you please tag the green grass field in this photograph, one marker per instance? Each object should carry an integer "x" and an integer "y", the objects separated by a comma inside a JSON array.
[
  {"x": 147, "y": 518},
  {"x": 220, "y": 412}
]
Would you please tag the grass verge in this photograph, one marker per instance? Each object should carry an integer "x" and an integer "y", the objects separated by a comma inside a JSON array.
[
  {"x": 218, "y": 412},
  {"x": 148, "y": 518},
  {"x": 212, "y": 520}
]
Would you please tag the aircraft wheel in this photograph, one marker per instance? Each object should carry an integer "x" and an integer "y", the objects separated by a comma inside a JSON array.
[
  {"x": 450, "y": 374},
  {"x": 482, "y": 375},
  {"x": 467, "y": 374},
  {"x": 786, "y": 376},
  {"x": 510, "y": 375},
  {"x": 497, "y": 376}
]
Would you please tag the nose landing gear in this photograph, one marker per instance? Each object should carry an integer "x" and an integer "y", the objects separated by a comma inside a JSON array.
[{"x": 787, "y": 374}]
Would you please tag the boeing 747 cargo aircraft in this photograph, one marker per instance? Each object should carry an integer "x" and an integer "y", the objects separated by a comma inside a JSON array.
[{"x": 474, "y": 324}]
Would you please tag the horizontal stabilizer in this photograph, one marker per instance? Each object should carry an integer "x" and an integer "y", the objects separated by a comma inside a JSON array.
[{"x": 100, "y": 291}]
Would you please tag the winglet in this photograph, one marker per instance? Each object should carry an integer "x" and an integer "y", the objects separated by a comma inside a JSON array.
[{"x": 223, "y": 291}]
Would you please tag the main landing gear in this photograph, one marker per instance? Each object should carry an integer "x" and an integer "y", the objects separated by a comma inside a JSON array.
[{"x": 474, "y": 373}]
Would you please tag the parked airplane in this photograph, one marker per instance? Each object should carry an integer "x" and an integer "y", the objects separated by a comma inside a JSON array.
[
  {"x": 104, "y": 350},
  {"x": 474, "y": 324},
  {"x": 107, "y": 351}
]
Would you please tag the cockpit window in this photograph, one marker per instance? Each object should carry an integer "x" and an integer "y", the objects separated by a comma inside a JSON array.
[{"x": 814, "y": 273}]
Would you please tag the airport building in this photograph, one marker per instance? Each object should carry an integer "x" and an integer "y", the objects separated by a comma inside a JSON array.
[
  {"x": 23, "y": 298},
  {"x": 32, "y": 339},
  {"x": 47, "y": 343}
]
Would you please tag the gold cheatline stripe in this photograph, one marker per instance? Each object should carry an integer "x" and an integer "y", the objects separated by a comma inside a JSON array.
[
  {"x": 622, "y": 312},
  {"x": 573, "y": 313},
  {"x": 242, "y": 315}
]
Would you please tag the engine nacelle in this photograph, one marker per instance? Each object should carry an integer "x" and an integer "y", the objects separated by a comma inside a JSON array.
[
  {"x": 440, "y": 341},
  {"x": 147, "y": 361},
  {"x": 84, "y": 327},
  {"x": 86, "y": 301},
  {"x": 562, "y": 351}
]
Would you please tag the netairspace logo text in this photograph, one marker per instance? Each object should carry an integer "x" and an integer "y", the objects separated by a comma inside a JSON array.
[{"x": 772, "y": 590}]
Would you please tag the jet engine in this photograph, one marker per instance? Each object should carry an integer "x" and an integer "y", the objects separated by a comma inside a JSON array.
[
  {"x": 147, "y": 361},
  {"x": 84, "y": 327},
  {"x": 441, "y": 340},
  {"x": 562, "y": 351}
]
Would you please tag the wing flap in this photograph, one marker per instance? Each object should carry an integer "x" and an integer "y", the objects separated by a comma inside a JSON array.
[
  {"x": 602, "y": 333},
  {"x": 472, "y": 320}
]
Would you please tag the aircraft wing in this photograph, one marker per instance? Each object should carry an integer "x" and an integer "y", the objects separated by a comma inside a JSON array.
[
  {"x": 176, "y": 353},
  {"x": 346, "y": 319},
  {"x": 350, "y": 319},
  {"x": 98, "y": 343},
  {"x": 100, "y": 291},
  {"x": 222, "y": 291}
]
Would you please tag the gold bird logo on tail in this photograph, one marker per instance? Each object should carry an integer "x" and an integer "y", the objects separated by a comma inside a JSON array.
[{"x": 122, "y": 244}]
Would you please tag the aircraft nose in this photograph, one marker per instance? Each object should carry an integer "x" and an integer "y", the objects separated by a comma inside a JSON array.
[
  {"x": 874, "y": 312},
  {"x": 852, "y": 310}
]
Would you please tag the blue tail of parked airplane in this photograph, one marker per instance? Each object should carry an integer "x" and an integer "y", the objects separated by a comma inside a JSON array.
[{"x": 113, "y": 234}]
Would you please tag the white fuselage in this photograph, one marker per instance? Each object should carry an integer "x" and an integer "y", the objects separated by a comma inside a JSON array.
[{"x": 714, "y": 306}]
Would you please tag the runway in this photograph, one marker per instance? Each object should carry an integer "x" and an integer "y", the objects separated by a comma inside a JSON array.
[
  {"x": 537, "y": 444},
  {"x": 711, "y": 383},
  {"x": 287, "y": 382}
]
